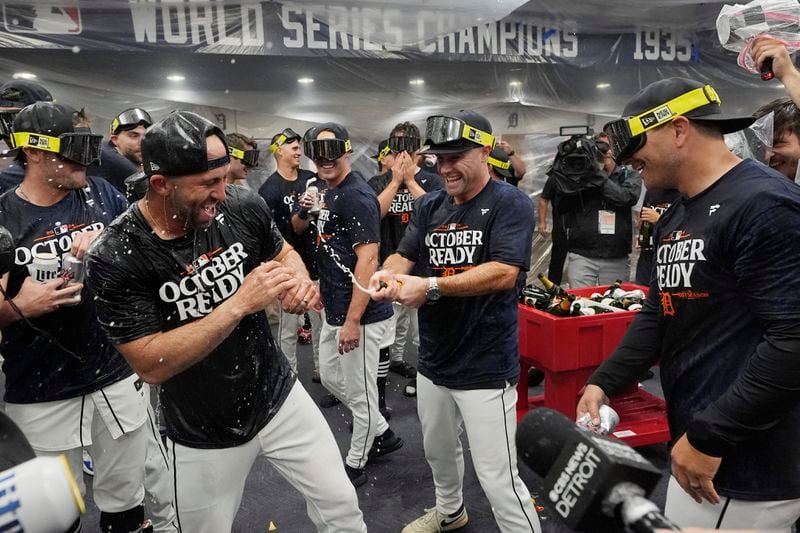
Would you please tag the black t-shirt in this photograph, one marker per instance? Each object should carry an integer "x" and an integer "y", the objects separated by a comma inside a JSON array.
[
  {"x": 723, "y": 315},
  {"x": 113, "y": 167},
  {"x": 36, "y": 368},
  {"x": 146, "y": 285},
  {"x": 283, "y": 198},
  {"x": 470, "y": 342},
  {"x": 394, "y": 224},
  {"x": 350, "y": 216}
]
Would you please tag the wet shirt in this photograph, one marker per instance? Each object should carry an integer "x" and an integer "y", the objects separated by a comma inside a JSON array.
[
  {"x": 470, "y": 342},
  {"x": 394, "y": 224},
  {"x": 283, "y": 198},
  {"x": 723, "y": 316},
  {"x": 146, "y": 285},
  {"x": 349, "y": 216},
  {"x": 78, "y": 359}
]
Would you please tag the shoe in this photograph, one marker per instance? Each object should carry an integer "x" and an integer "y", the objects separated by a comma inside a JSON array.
[
  {"x": 388, "y": 442},
  {"x": 356, "y": 475},
  {"x": 410, "y": 389},
  {"x": 535, "y": 377},
  {"x": 433, "y": 521},
  {"x": 404, "y": 369},
  {"x": 303, "y": 335},
  {"x": 88, "y": 464},
  {"x": 386, "y": 412},
  {"x": 315, "y": 376},
  {"x": 329, "y": 400}
]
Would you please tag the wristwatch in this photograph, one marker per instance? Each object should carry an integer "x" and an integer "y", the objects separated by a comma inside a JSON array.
[{"x": 433, "y": 293}]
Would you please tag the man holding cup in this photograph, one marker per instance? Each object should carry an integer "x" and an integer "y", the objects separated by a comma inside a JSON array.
[{"x": 66, "y": 386}]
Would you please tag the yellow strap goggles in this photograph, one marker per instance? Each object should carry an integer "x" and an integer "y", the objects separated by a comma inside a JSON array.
[{"x": 503, "y": 165}]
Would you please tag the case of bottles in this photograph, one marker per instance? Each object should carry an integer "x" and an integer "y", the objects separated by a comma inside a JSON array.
[{"x": 568, "y": 350}]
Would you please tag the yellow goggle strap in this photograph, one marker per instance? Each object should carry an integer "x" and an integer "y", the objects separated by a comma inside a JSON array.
[
  {"x": 277, "y": 144},
  {"x": 114, "y": 125},
  {"x": 499, "y": 164},
  {"x": 477, "y": 136},
  {"x": 235, "y": 152},
  {"x": 674, "y": 108},
  {"x": 348, "y": 146},
  {"x": 383, "y": 153},
  {"x": 36, "y": 140}
]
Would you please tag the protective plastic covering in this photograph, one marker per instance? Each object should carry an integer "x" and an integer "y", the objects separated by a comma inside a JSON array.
[{"x": 259, "y": 67}]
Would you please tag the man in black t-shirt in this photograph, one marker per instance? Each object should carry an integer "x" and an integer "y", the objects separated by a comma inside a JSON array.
[
  {"x": 468, "y": 243},
  {"x": 282, "y": 191},
  {"x": 182, "y": 279},
  {"x": 722, "y": 315},
  {"x": 354, "y": 326},
  {"x": 397, "y": 191},
  {"x": 122, "y": 155},
  {"x": 66, "y": 386}
]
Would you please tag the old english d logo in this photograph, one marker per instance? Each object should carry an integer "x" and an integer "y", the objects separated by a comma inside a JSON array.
[{"x": 47, "y": 19}]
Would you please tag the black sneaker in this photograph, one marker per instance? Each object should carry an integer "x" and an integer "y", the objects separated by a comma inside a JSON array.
[
  {"x": 404, "y": 369},
  {"x": 329, "y": 400},
  {"x": 356, "y": 475},
  {"x": 388, "y": 442}
]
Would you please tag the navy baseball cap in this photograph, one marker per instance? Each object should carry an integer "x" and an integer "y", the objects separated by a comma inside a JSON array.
[
  {"x": 176, "y": 145},
  {"x": 499, "y": 161}
]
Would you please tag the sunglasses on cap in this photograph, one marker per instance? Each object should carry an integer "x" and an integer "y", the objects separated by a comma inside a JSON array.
[
  {"x": 130, "y": 117},
  {"x": 383, "y": 153},
  {"x": 286, "y": 136},
  {"x": 248, "y": 157},
  {"x": 502, "y": 165},
  {"x": 440, "y": 130},
  {"x": 404, "y": 144},
  {"x": 627, "y": 135},
  {"x": 327, "y": 149},
  {"x": 80, "y": 148},
  {"x": 7, "y": 122}
]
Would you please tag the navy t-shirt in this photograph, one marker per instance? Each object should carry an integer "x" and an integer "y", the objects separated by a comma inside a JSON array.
[
  {"x": 113, "y": 167},
  {"x": 36, "y": 368},
  {"x": 146, "y": 285},
  {"x": 394, "y": 224},
  {"x": 283, "y": 198},
  {"x": 11, "y": 176},
  {"x": 723, "y": 316},
  {"x": 349, "y": 216},
  {"x": 470, "y": 342}
]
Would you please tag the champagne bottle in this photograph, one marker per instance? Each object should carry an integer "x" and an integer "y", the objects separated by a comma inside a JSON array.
[
  {"x": 562, "y": 307},
  {"x": 552, "y": 288},
  {"x": 646, "y": 235}
]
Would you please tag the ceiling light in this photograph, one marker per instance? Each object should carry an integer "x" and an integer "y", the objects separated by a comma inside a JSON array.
[
  {"x": 416, "y": 81},
  {"x": 603, "y": 85},
  {"x": 24, "y": 76},
  {"x": 515, "y": 84},
  {"x": 176, "y": 77},
  {"x": 305, "y": 80}
]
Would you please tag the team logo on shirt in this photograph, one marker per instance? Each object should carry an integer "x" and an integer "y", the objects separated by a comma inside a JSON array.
[
  {"x": 55, "y": 241},
  {"x": 452, "y": 248},
  {"x": 208, "y": 280},
  {"x": 402, "y": 205},
  {"x": 676, "y": 258}
]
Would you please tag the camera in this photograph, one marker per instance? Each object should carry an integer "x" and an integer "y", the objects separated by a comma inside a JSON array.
[{"x": 578, "y": 164}]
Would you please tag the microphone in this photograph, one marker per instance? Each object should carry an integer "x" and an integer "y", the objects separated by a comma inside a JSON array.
[{"x": 594, "y": 483}]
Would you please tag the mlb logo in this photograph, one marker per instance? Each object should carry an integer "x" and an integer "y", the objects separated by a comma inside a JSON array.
[
  {"x": 42, "y": 18},
  {"x": 60, "y": 230},
  {"x": 200, "y": 262}
]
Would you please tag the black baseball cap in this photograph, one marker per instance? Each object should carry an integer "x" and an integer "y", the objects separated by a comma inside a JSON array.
[
  {"x": 382, "y": 146},
  {"x": 499, "y": 161},
  {"x": 456, "y": 133},
  {"x": 662, "y": 91},
  {"x": 50, "y": 127},
  {"x": 46, "y": 118},
  {"x": 22, "y": 93},
  {"x": 176, "y": 145},
  {"x": 337, "y": 129}
]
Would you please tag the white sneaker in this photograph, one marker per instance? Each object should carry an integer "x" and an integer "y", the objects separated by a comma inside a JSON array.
[
  {"x": 434, "y": 522},
  {"x": 88, "y": 464}
]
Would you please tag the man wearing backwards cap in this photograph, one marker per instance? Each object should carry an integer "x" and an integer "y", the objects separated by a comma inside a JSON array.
[
  {"x": 470, "y": 242},
  {"x": 354, "y": 326},
  {"x": 722, "y": 315},
  {"x": 499, "y": 165},
  {"x": 182, "y": 280},
  {"x": 66, "y": 386},
  {"x": 122, "y": 155}
]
